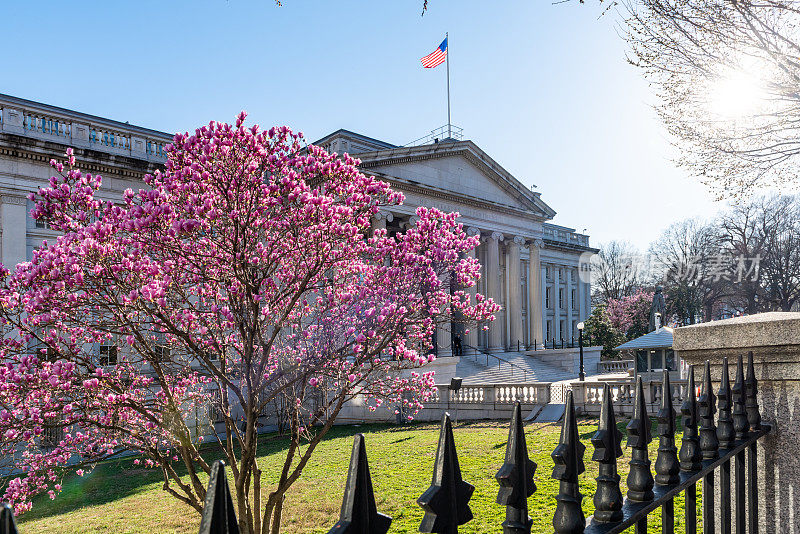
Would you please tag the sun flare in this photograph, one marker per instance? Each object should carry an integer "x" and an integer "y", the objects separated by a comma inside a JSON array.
[{"x": 738, "y": 94}]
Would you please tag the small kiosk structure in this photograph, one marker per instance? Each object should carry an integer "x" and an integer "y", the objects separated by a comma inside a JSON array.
[{"x": 652, "y": 353}]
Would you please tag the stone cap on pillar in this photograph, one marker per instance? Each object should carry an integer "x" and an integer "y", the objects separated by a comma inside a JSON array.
[
  {"x": 769, "y": 329},
  {"x": 773, "y": 337}
]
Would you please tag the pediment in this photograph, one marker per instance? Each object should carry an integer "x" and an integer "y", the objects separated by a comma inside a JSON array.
[{"x": 460, "y": 169}]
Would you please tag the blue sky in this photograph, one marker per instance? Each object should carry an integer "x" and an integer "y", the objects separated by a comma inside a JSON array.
[{"x": 543, "y": 88}]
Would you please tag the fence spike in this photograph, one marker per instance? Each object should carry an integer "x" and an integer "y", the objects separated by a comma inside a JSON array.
[
  {"x": 690, "y": 445},
  {"x": 725, "y": 433},
  {"x": 8, "y": 524},
  {"x": 446, "y": 501},
  {"x": 740, "y": 424},
  {"x": 640, "y": 479},
  {"x": 359, "y": 514},
  {"x": 219, "y": 516},
  {"x": 751, "y": 394},
  {"x": 667, "y": 466},
  {"x": 709, "y": 444},
  {"x": 516, "y": 478},
  {"x": 607, "y": 448},
  {"x": 568, "y": 458}
]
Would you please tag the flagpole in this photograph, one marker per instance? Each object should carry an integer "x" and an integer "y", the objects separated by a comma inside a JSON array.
[{"x": 447, "y": 39}]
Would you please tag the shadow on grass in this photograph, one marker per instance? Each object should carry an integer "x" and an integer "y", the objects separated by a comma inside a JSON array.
[{"x": 115, "y": 479}]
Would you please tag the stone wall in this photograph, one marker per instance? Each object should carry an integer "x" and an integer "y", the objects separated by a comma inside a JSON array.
[{"x": 774, "y": 339}]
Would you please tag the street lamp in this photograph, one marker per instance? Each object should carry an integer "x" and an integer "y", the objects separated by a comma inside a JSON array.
[{"x": 581, "y": 374}]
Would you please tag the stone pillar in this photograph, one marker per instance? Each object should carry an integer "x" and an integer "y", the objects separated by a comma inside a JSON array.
[
  {"x": 556, "y": 305},
  {"x": 774, "y": 339},
  {"x": 570, "y": 304},
  {"x": 493, "y": 287},
  {"x": 514, "y": 312},
  {"x": 14, "y": 220},
  {"x": 12, "y": 122},
  {"x": 535, "y": 289},
  {"x": 470, "y": 341},
  {"x": 543, "y": 302},
  {"x": 380, "y": 219},
  {"x": 582, "y": 315}
]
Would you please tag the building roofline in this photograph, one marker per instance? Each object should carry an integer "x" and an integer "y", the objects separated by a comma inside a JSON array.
[
  {"x": 350, "y": 133},
  {"x": 14, "y": 100}
]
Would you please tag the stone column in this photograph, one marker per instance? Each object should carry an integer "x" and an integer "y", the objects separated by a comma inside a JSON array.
[
  {"x": 535, "y": 292},
  {"x": 556, "y": 305},
  {"x": 14, "y": 220},
  {"x": 774, "y": 339},
  {"x": 514, "y": 312},
  {"x": 380, "y": 219},
  {"x": 543, "y": 302},
  {"x": 493, "y": 287},
  {"x": 582, "y": 315},
  {"x": 470, "y": 341},
  {"x": 570, "y": 305}
]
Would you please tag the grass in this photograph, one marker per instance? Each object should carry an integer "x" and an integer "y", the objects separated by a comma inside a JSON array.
[{"x": 118, "y": 497}]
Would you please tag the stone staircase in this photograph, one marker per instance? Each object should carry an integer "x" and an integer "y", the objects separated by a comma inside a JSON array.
[{"x": 518, "y": 368}]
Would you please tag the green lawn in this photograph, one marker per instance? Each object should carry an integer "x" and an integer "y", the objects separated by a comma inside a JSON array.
[{"x": 118, "y": 497}]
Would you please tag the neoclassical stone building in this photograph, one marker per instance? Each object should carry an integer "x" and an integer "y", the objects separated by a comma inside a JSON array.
[{"x": 529, "y": 266}]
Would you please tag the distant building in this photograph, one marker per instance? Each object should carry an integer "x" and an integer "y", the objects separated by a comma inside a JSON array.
[{"x": 529, "y": 265}]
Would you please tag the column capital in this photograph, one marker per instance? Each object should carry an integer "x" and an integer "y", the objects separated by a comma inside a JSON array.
[
  {"x": 497, "y": 236},
  {"x": 384, "y": 215},
  {"x": 536, "y": 243},
  {"x": 473, "y": 230},
  {"x": 519, "y": 240}
]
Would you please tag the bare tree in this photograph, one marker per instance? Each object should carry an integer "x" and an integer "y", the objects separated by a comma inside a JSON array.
[
  {"x": 780, "y": 268},
  {"x": 616, "y": 274},
  {"x": 728, "y": 77},
  {"x": 687, "y": 261}
]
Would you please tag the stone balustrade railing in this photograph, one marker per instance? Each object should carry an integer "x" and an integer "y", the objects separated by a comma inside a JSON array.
[
  {"x": 565, "y": 235},
  {"x": 49, "y": 123},
  {"x": 615, "y": 366},
  {"x": 495, "y": 394},
  {"x": 589, "y": 395}
]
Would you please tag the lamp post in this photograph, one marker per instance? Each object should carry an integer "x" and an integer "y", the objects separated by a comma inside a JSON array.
[{"x": 581, "y": 374}]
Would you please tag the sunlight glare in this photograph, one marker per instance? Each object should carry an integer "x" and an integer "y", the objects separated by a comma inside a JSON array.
[{"x": 737, "y": 95}]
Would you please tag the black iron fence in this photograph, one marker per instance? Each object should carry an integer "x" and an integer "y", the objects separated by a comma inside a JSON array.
[{"x": 706, "y": 447}]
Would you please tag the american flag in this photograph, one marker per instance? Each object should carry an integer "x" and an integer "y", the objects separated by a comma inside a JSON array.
[{"x": 436, "y": 57}]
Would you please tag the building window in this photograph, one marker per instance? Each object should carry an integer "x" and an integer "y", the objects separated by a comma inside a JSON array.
[
  {"x": 41, "y": 223},
  {"x": 561, "y": 297},
  {"x": 561, "y": 332},
  {"x": 162, "y": 352},
  {"x": 574, "y": 295},
  {"x": 547, "y": 300},
  {"x": 641, "y": 361},
  {"x": 108, "y": 355},
  {"x": 547, "y": 272},
  {"x": 52, "y": 433},
  {"x": 549, "y": 330}
]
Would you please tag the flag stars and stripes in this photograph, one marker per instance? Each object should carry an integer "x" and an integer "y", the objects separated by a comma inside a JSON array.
[{"x": 436, "y": 57}]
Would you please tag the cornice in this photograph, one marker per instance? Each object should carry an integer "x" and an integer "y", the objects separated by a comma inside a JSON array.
[
  {"x": 94, "y": 161},
  {"x": 458, "y": 199}
]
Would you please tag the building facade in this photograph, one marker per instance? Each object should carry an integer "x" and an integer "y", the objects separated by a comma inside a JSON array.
[{"x": 529, "y": 266}]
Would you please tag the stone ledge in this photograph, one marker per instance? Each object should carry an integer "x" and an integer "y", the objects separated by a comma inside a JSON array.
[{"x": 760, "y": 330}]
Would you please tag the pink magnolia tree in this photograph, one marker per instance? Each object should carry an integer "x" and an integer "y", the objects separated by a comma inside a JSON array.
[
  {"x": 631, "y": 315},
  {"x": 244, "y": 277}
]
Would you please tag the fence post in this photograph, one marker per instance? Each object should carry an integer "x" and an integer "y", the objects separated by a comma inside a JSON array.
[
  {"x": 709, "y": 445},
  {"x": 446, "y": 501},
  {"x": 218, "y": 516},
  {"x": 7, "y": 523},
  {"x": 725, "y": 435},
  {"x": 568, "y": 458},
  {"x": 516, "y": 478},
  {"x": 606, "y": 441},
  {"x": 359, "y": 514},
  {"x": 690, "y": 456},
  {"x": 740, "y": 427},
  {"x": 640, "y": 479},
  {"x": 667, "y": 466},
  {"x": 754, "y": 420}
]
